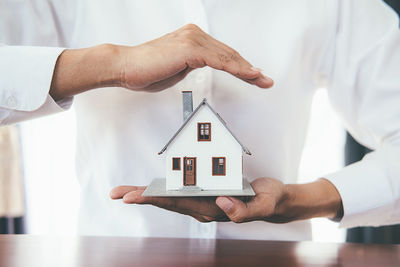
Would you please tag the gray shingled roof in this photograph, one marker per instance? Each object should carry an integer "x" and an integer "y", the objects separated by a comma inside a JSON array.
[{"x": 204, "y": 102}]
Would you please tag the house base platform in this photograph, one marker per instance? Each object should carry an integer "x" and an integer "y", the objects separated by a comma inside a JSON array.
[{"x": 157, "y": 188}]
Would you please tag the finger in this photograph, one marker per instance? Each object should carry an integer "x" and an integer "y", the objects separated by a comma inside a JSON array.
[
  {"x": 208, "y": 51},
  {"x": 263, "y": 81},
  {"x": 119, "y": 191},
  {"x": 215, "y": 54},
  {"x": 248, "y": 73},
  {"x": 135, "y": 197},
  {"x": 230, "y": 63},
  {"x": 223, "y": 62},
  {"x": 202, "y": 208},
  {"x": 171, "y": 203},
  {"x": 239, "y": 211},
  {"x": 233, "y": 208},
  {"x": 237, "y": 65}
]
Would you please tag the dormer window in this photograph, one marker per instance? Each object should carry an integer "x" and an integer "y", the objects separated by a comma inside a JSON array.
[{"x": 204, "y": 131}]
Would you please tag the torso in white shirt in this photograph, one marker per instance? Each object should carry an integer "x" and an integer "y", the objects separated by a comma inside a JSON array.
[{"x": 348, "y": 46}]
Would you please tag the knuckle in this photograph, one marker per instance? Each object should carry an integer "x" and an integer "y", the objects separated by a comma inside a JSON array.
[
  {"x": 237, "y": 72},
  {"x": 189, "y": 31},
  {"x": 234, "y": 56},
  {"x": 191, "y": 27},
  {"x": 188, "y": 36},
  {"x": 223, "y": 58},
  {"x": 237, "y": 217},
  {"x": 236, "y": 53}
]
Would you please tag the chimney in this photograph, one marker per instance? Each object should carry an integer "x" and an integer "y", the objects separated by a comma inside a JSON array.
[{"x": 187, "y": 101}]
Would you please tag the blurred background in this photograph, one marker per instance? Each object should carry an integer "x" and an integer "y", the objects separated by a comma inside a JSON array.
[{"x": 39, "y": 192}]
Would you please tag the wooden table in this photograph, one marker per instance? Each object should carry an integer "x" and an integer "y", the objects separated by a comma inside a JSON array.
[{"x": 43, "y": 251}]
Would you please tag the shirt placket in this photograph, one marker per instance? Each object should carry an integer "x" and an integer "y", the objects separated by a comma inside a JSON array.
[{"x": 200, "y": 83}]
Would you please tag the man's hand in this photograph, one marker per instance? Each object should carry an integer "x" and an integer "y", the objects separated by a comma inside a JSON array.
[
  {"x": 269, "y": 194},
  {"x": 274, "y": 202},
  {"x": 153, "y": 66},
  {"x": 161, "y": 63}
]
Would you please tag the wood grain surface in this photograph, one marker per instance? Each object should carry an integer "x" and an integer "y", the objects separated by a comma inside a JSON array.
[{"x": 25, "y": 250}]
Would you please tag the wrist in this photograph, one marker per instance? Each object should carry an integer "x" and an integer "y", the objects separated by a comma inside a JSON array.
[
  {"x": 311, "y": 200},
  {"x": 109, "y": 62},
  {"x": 80, "y": 70}
]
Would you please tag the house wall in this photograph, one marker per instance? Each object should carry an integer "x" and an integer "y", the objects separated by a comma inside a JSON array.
[{"x": 222, "y": 144}]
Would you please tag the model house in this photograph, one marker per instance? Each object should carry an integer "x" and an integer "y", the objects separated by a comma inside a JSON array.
[{"x": 203, "y": 154}]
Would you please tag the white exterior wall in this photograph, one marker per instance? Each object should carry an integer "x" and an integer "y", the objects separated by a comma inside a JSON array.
[{"x": 222, "y": 144}]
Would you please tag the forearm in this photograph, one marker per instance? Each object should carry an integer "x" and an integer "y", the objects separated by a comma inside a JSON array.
[
  {"x": 80, "y": 70},
  {"x": 311, "y": 200}
]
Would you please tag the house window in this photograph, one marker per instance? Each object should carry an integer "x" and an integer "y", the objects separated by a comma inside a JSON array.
[
  {"x": 204, "y": 131},
  {"x": 176, "y": 164},
  {"x": 218, "y": 166}
]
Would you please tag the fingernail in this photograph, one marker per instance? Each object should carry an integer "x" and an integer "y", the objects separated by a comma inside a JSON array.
[
  {"x": 267, "y": 79},
  {"x": 224, "y": 203}
]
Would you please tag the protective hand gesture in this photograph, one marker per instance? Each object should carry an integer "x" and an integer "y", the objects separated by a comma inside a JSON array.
[
  {"x": 151, "y": 67},
  {"x": 270, "y": 193},
  {"x": 161, "y": 63}
]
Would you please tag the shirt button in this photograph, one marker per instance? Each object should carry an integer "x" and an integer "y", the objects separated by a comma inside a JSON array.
[
  {"x": 200, "y": 78},
  {"x": 11, "y": 102}
]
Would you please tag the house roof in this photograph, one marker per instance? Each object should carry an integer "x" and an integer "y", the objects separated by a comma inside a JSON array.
[{"x": 204, "y": 102}]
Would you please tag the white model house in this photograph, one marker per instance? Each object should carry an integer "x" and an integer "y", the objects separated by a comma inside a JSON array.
[{"x": 203, "y": 153}]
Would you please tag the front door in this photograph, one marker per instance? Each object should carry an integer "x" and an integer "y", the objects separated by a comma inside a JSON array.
[{"x": 189, "y": 172}]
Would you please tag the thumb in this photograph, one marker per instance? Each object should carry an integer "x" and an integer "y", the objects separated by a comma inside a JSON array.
[{"x": 234, "y": 208}]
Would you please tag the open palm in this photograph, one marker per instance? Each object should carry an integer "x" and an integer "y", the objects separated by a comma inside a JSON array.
[{"x": 265, "y": 205}]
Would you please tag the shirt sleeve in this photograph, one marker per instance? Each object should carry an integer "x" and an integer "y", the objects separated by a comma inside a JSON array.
[
  {"x": 33, "y": 30},
  {"x": 25, "y": 78},
  {"x": 365, "y": 91}
]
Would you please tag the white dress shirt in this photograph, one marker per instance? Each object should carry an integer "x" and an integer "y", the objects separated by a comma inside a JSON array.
[{"x": 350, "y": 47}]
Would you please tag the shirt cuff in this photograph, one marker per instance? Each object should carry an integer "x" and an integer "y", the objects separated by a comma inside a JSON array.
[
  {"x": 27, "y": 75},
  {"x": 369, "y": 189},
  {"x": 49, "y": 107}
]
